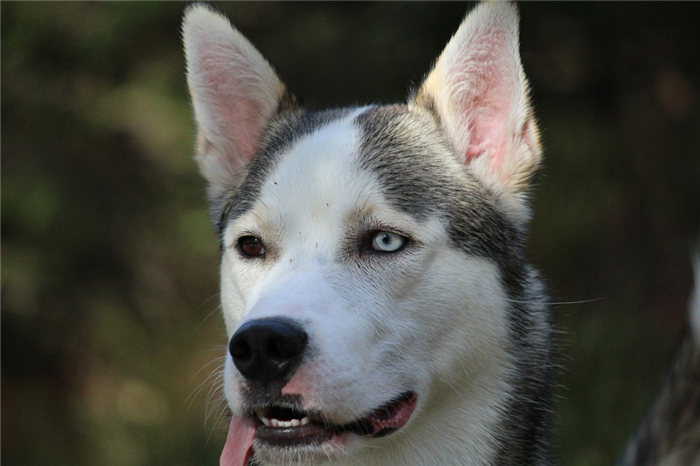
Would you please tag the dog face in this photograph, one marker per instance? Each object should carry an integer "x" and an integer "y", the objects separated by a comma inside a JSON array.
[
  {"x": 368, "y": 254},
  {"x": 367, "y": 280}
]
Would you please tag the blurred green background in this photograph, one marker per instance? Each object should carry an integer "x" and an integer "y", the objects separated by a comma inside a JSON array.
[{"x": 111, "y": 338}]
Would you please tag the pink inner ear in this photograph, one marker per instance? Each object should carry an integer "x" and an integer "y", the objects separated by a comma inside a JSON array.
[
  {"x": 486, "y": 103},
  {"x": 487, "y": 132},
  {"x": 238, "y": 125},
  {"x": 233, "y": 115}
]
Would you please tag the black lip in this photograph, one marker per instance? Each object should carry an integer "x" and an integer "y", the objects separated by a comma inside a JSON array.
[
  {"x": 317, "y": 431},
  {"x": 293, "y": 436}
]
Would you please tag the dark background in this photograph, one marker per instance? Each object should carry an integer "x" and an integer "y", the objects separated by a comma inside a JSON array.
[{"x": 111, "y": 336}]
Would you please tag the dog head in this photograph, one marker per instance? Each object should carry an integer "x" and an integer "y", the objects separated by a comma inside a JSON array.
[{"x": 369, "y": 253}]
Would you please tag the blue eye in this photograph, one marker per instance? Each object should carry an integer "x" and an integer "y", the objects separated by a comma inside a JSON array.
[{"x": 385, "y": 241}]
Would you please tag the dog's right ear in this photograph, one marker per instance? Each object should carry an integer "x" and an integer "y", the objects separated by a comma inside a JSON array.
[{"x": 235, "y": 92}]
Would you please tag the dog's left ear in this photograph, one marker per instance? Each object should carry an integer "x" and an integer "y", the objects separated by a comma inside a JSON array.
[{"x": 479, "y": 93}]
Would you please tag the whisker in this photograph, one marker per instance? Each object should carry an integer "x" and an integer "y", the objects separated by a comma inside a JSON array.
[
  {"x": 208, "y": 316},
  {"x": 215, "y": 373},
  {"x": 557, "y": 303},
  {"x": 215, "y": 360}
]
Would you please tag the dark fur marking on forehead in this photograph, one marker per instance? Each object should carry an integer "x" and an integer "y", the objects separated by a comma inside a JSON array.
[
  {"x": 412, "y": 158},
  {"x": 283, "y": 132}
]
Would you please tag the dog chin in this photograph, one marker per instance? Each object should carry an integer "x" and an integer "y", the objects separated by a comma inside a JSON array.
[{"x": 310, "y": 452}]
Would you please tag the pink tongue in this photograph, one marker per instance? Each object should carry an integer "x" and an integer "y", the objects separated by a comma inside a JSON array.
[{"x": 239, "y": 443}]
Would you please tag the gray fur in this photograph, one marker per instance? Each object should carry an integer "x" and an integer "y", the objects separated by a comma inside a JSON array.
[
  {"x": 669, "y": 434},
  {"x": 401, "y": 146}
]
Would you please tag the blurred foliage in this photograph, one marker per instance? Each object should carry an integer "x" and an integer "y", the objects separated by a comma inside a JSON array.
[{"x": 111, "y": 339}]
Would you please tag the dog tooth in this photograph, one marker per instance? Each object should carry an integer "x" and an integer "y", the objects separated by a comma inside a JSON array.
[{"x": 282, "y": 424}]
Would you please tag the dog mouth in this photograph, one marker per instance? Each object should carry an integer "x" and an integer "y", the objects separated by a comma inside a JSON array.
[
  {"x": 284, "y": 428},
  {"x": 290, "y": 425}
]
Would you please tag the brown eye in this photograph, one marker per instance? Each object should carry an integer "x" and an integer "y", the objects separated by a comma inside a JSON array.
[{"x": 250, "y": 246}]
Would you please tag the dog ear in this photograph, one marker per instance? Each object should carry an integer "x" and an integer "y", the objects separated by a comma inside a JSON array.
[
  {"x": 235, "y": 92},
  {"x": 479, "y": 92}
]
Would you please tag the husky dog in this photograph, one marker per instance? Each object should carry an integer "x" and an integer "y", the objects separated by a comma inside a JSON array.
[
  {"x": 374, "y": 285},
  {"x": 378, "y": 302}
]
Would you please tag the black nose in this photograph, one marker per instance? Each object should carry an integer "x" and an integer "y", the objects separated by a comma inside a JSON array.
[{"x": 268, "y": 349}]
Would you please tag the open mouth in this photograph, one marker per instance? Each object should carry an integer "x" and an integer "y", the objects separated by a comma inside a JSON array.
[
  {"x": 287, "y": 426},
  {"x": 284, "y": 428}
]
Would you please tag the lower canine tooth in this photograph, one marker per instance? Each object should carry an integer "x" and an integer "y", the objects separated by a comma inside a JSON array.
[
  {"x": 304, "y": 421},
  {"x": 265, "y": 421}
]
